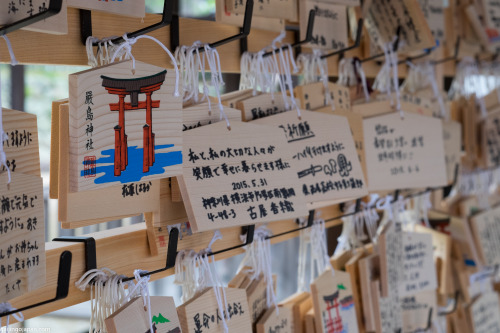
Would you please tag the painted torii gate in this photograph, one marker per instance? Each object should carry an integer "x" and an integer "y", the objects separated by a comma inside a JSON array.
[
  {"x": 333, "y": 325},
  {"x": 133, "y": 87}
]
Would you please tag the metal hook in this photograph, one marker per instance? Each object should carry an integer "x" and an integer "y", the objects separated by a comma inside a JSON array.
[
  {"x": 244, "y": 32},
  {"x": 54, "y": 8},
  {"x": 86, "y": 24},
  {"x": 455, "y": 305},
  {"x": 307, "y": 39},
  {"x": 62, "y": 284},
  {"x": 454, "y": 57},
  {"x": 172, "y": 250},
  {"x": 395, "y": 47},
  {"x": 90, "y": 249},
  {"x": 356, "y": 44}
]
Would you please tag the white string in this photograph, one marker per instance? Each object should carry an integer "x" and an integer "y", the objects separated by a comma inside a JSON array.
[
  {"x": 142, "y": 289},
  {"x": 216, "y": 78},
  {"x": 393, "y": 56},
  {"x": 319, "y": 249},
  {"x": 361, "y": 72},
  {"x": 107, "y": 295},
  {"x": 6, "y": 307},
  {"x": 127, "y": 46},
  {"x": 3, "y": 135}
]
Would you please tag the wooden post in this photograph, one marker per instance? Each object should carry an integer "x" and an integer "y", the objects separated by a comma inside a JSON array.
[
  {"x": 118, "y": 166},
  {"x": 146, "y": 150}
]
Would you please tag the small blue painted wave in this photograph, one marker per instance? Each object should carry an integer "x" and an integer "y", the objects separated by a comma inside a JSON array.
[
  {"x": 346, "y": 307},
  {"x": 133, "y": 172}
]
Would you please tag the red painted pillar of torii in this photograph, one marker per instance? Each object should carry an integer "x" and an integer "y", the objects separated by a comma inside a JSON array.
[{"x": 133, "y": 88}]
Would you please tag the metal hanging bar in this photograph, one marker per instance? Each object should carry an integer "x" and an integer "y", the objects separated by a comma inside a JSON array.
[
  {"x": 307, "y": 39},
  {"x": 453, "y": 57},
  {"x": 395, "y": 47},
  {"x": 53, "y": 9},
  {"x": 86, "y": 24},
  {"x": 357, "y": 42},
  {"x": 244, "y": 32},
  {"x": 62, "y": 284}
]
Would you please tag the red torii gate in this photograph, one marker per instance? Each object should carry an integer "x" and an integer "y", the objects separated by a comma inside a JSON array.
[
  {"x": 333, "y": 325},
  {"x": 133, "y": 87}
]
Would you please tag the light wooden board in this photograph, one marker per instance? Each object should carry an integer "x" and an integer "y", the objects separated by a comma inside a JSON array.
[
  {"x": 441, "y": 244},
  {"x": 309, "y": 322},
  {"x": 93, "y": 141},
  {"x": 434, "y": 14},
  {"x": 356, "y": 124},
  {"x": 415, "y": 310},
  {"x": 330, "y": 24},
  {"x": 133, "y": 316},
  {"x": 391, "y": 259},
  {"x": 222, "y": 15},
  {"x": 261, "y": 106},
  {"x": 131, "y": 242},
  {"x": 312, "y": 96},
  {"x": 418, "y": 273},
  {"x": 452, "y": 138},
  {"x": 54, "y": 149},
  {"x": 490, "y": 140},
  {"x": 133, "y": 8},
  {"x": 324, "y": 155},
  {"x": 352, "y": 268},
  {"x": 369, "y": 270},
  {"x": 276, "y": 320},
  {"x": 21, "y": 142},
  {"x": 22, "y": 235},
  {"x": 324, "y": 290},
  {"x": 382, "y": 20},
  {"x": 299, "y": 303},
  {"x": 486, "y": 230},
  {"x": 463, "y": 242},
  {"x": 199, "y": 115},
  {"x": 485, "y": 313},
  {"x": 406, "y": 153},
  {"x": 232, "y": 98},
  {"x": 201, "y": 193},
  {"x": 191, "y": 314},
  {"x": 286, "y": 9},
  {"x": 13, "y": 11},
  {"x": 121, "y": 201}
]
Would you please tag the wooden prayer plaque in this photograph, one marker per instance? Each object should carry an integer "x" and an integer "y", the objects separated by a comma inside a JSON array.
[
  {"x": 434, "y": 14},
  {"x": 198, "y": 115},
  {"x": 323, "y": 154},
  {"x": 299, "y": 303},
  {"x": 133, "y": 8},
  {"x": 124, "y": 127},
  {"x": 13, "y": 11},
  {"x": 369, "y": 270},
  {"x": 391, "y": 259},
  {"x": 418, "y": 273},
  {"x": 276, "y": 320},
  {"x": 490, "y": 140},
  {"x": 262, "y": 106},
  {"x": 312, "y": 96},
  {"x": 309, "y": 322},
  {"x": 222, "y": 15},
  {"x": 486, "y": 229},
  {"x": 77, "y": 209},
  {"x": 416, "y": 310},
  {"x": 333, "y": 303},
  {"x": 330, "y": 25},
  {"x": 133, "y": 317},
  {"x": 382, "y": 19},
  {"x": 22, "y": 235},
  {"x": 202, "y": 313},
  {"x": 485, "y": 313},
  {"x": 238, "y": 176},
  {"x": 452, "y": 137},
  {"x": 284, "y": 9},
  {"x": 404, "y": 153},
  {"x": 21, "y": 142},
  {"x": 257, "y": 298}
]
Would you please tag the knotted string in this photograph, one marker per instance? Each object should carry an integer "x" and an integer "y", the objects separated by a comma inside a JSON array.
[
  {"x": 141, "y": 289},
  {"x": 6, "y": 307},
  {"x": 3, "y": 135},
  {"x": 107, "y": 295},
  {"x": 359, "y": 69},
  {"x": 216, "y": 78},
  {"x": 127, "y": 46}
]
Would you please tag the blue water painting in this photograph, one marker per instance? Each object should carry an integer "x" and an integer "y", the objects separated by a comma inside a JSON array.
[{"x": 133, "y": 172}]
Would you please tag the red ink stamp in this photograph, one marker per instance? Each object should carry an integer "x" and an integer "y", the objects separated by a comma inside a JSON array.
[{"x": 89, "y": 167}]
